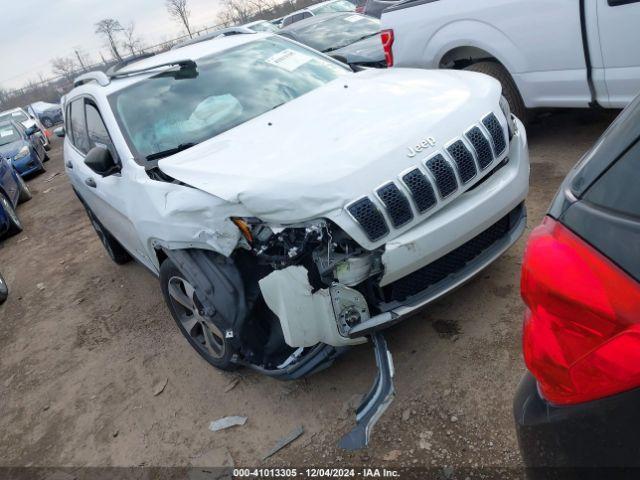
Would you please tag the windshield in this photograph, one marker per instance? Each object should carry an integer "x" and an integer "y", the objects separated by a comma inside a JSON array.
[
  {"x": 337, "y": 31},
  {"x": 17, "y": 116},
  {"x": 339, "y": 6},
  {"x": 166, "y": 112},
  {"x": 8, "y": 134}
]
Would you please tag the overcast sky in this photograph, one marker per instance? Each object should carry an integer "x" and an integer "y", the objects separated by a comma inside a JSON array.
[{"x": 32, "y": 32}]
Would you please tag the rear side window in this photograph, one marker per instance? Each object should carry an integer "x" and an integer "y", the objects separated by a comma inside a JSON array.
[
  {"x": 79, "y": 136},
  {"x": 617, "y": 189}
]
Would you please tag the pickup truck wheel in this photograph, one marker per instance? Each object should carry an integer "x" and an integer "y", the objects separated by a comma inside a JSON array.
[
  {"x": 509, "y": 88},
  {"x": 186, "y": 309},
  {"x": 25, "y": 193},
  {"x": 15, "y": 225},
  {"x": 116, "y": 252},
  {"x": 4, "y": 290}
]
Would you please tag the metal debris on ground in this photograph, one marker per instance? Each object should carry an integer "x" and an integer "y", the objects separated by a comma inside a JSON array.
[
  {"x": 51, "y": 177},
  {"x": 284, "y": 441},
  {"x": 227, "y": 422},
  {"x": 231, "y": 385},
  {"x": 159, "y": 387}
]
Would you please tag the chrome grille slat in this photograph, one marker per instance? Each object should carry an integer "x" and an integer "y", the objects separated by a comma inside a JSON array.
[
  {"x": 494, "y": 128},
  {"x": 444, "y": 175},
  {"x": 421, "y": 190},
  {"x": 481, "y": 145},
  {"x": 396, "y": 204},
  {"x": 463, "y": 160},
  {"x": 369, "y": 217}
]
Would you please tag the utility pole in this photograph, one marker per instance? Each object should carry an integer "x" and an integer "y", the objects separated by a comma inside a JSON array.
[{"x": 84, "y": 68}]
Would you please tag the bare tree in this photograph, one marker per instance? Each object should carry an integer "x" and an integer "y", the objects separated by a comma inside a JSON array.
[
  {"x": 179, "y": 11},
  {"x": 131, "y": 41},
  {"x": 108, "y": 28},
  {"x": 65, "y": 67},
  {"x": 236, "y": 12}
]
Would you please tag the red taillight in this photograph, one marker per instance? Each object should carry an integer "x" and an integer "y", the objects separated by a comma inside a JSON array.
[
  {"x": 360, "y": 9},
  {"x": 387, "y": 45},
  {"x": 581, "y": 336}
]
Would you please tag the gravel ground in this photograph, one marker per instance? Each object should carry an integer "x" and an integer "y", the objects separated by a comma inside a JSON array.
[{"x": 85, "y": 343}]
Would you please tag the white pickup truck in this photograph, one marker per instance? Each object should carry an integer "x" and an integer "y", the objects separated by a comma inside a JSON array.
[{"x": 546, "y": 53}]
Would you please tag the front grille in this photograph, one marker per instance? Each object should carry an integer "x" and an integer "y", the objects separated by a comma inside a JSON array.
[
  {"x": 481, "y": 145},
  {"x": 421, "y": 190},
  {"x": 369, "y": 217},
  {"x": 444, "y": 175},
  {"x": 464, "y": 161},
  {"x": 396, "y": 204},
  {"x": 452, "y": 262},
  {"x": 492, "y": 124},
  {"x": 471, "y": 156}
]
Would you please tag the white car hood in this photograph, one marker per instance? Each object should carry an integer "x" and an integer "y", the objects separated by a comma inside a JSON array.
[{"x": 319, "y": 152}]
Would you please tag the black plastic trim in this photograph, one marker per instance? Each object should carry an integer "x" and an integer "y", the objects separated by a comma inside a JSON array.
[{"x": 587, "y": 55}]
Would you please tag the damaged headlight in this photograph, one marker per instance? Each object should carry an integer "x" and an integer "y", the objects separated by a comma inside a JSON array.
[
  {"x": 506, "y": 109},
  {"x": 321, "y": 246}
]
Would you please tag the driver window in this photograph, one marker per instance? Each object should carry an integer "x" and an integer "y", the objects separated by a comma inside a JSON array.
[{"x": 98, "y": 134}]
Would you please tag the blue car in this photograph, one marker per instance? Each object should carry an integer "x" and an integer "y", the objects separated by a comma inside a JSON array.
[
  {"x": 13, "y": 190},
  {"x": 22, "y": 147}
]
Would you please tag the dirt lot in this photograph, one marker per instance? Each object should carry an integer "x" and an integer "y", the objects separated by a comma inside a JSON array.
[{"x": 84, "y": 342}]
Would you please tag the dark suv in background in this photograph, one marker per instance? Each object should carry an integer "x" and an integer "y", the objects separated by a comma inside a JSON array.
[{"x": 578, "y": 405}]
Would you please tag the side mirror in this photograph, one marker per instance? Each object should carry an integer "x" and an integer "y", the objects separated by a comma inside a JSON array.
[
  {"x": 59, "y": 132},
  {"x": 100, "y": 160},
  {"x": 30, "y": 131}
]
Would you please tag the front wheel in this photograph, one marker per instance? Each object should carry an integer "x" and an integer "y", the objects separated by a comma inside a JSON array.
[
  {"x": 15, "y": 225},
  {"x": 509, "y": 88},
  {"x": 187, "y": 310}
]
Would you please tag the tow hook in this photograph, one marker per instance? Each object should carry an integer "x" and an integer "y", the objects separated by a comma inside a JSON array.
[{"x": 377, "y": 400}]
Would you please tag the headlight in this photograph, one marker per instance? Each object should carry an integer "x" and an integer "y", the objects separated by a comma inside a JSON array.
[
  {"x": 24, "y": 151},
  {"x": 506, "y": 109}
]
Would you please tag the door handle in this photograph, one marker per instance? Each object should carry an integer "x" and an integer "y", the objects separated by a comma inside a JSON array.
[
  {"x": 90, "y": 182},
  {"x": 69, "y": 165}
]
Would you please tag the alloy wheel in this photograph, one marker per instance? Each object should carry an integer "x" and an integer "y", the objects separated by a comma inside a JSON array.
[{"x": 189, "y": 310}]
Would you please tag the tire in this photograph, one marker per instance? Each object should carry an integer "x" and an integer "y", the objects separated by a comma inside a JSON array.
[
  {"x": 4, "y": 290},
  {"x": 206, "y": 338},
  {"x": 509, "y": 88},
  {"x": 114, "y": 249},
  {"x": 25, "y": 193},
  {"x": 15, "y": 225},
  {"x": 46, "y": 157}
]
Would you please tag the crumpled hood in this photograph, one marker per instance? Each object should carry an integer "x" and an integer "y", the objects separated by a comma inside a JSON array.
[
  {"x": 11, "y": 149},
  {"x": 368, "y": 50},
  {"x": 317, "y": 153}
]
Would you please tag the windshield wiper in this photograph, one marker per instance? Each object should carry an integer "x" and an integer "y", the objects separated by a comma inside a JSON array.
[
  {"x": 332, "y": 49},
  {"x": 171, "y": 151}
]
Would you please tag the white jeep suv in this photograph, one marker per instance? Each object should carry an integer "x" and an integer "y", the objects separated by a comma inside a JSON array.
[{"x": 290, "y": 206}]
